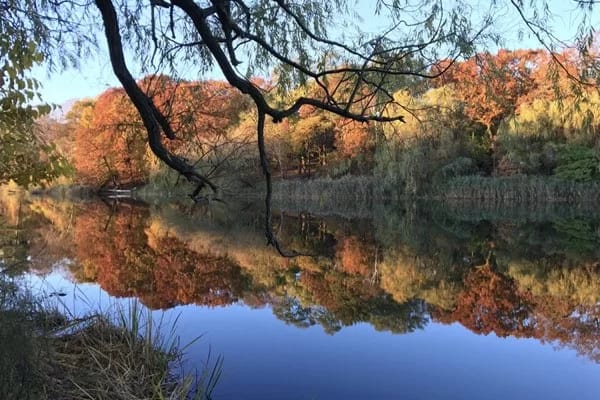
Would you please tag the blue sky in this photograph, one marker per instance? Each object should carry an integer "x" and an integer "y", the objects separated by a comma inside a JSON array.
[{"x": 95, "y": 75}]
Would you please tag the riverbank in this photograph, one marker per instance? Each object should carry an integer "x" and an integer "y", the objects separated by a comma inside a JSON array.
[
  {"x": 522, "y": 189},
  {"x": 49, "y": 354},
  {"x": 356, "y": 195}
]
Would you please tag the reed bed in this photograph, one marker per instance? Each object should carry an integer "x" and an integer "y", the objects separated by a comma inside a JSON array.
[
  {"x": 520, "y": 189},
  {"x": 348, "y": 196}
]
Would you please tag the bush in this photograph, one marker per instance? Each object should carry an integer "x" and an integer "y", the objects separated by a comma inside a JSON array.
[{"x": 577, "y": 163}]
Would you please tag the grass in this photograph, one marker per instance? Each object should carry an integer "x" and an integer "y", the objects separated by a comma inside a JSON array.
[
  {"x": 45, "y": 354},
  {"x": 348, "y": 196},
  {"x": 520, "y": 189}
]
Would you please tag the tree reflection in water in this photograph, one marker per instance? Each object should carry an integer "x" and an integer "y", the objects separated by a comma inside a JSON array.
[{"x": 396, "y": 271}]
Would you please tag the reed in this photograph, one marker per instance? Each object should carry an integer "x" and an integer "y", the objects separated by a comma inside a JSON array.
[
  {"x": 348, "y": 196},
  {"x": 122, "y": 354},
  {"x": 519, "y": 189}
]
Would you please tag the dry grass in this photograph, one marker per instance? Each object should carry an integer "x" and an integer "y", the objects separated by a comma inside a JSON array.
[
  {"x": 123, "y": 356},
  {"x": 520, "y": 189}
]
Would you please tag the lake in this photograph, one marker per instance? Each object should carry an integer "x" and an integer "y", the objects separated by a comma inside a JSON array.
[{"x": 404, "y": 301}]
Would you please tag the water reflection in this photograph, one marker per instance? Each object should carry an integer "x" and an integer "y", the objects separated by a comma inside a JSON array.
[{"x": 398, "y": 269}]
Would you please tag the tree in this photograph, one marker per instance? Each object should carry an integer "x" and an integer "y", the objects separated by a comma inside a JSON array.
[
  {"x": 203, "y": 115},
  {"x": 491, "y": 302},
  {"x": 21, "y": 147},
  {"x": 292, "y": 39},
  {"x": 491, "y": 86},
  {"x": 109, "y": 119},
  {"x": 32, "y": 32}
]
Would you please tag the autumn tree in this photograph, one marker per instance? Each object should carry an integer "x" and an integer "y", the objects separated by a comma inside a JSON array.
[
  {"x": 491, "y": 302},
  {"x": 356, "y": 256},
  {"x": 184, "y": 276},
  {"x": 436, "y": 142},
  {"x": 492, "y": 85},
  {"x": 353, "y": 138},
  {"x": 297, "y": 39},
  {"x": 291, "y": 37},
  {"x": 119, "y": 259},
  {"x": 109, "y": 119},
  {"x": 204, "y": 115}
]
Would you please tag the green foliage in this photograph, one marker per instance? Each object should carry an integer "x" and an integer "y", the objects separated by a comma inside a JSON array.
[
  {"x": 421, "y": 152},
  {"x": 578, "y": 163},
  {"x": 29, "y": 163},
  {"x": 458, "y": 167},
  {"x": 18, "y": 54},
  {"x": 526, "y": 155},
  {"x": 24, "y": 155},
  {"x": 552, "y": 136},
  {"x": 577, "y": 235}
]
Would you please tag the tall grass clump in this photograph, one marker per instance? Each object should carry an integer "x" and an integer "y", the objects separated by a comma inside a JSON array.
[
  {"x": 24, "y": 351},
  {"x": 121, "y": 355}
]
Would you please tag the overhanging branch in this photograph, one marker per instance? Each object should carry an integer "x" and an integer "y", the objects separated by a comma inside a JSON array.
[{"x": 144, "y": 105}]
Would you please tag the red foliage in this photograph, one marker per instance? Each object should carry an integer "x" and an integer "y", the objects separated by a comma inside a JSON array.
[
  {"x": 112, "y": 144},
  {"x": 492, "y": 86},
  {"x": 491, "y": 302}
]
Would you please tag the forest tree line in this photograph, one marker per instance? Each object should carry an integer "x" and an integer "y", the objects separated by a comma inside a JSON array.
[{"x": 515, "y": 112}]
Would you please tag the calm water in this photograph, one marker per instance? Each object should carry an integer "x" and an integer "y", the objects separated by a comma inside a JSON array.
[{"x": 397, "y": 302}]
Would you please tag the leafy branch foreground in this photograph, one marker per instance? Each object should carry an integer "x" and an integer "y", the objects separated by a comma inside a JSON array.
[{"x": 45, "y": 354}]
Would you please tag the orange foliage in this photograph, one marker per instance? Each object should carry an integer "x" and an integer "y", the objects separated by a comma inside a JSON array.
[
  {"x": 491, "y": 86},
  {"x": 123, "y": 263},
  {"x": 111, "y": 144},
  {"x": 111, "y": 244},
  {"x": 183, "y": 276},
  {"x": 353, "y": 138},
  {"x": 354, "y": 256},
  {"x": 491, "y": 302},
  {"x": 345, "y": 296},
  {"x": 200, "y": 110},
  {"x": 554, "y": 77}
]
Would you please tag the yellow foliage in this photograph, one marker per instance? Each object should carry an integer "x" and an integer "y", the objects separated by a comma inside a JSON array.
[
  {"x": 435, "y": 105},
  {"x": 59, "y": 213},
  {"x": 407, "y": 276},
  {"x": 579, "y": 284},
  {"x": 573, "y": 118},
  {"x": 11, "y": 200}
]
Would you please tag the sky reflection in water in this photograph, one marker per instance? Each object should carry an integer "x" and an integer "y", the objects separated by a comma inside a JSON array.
[{"x": 267, "y": 359}]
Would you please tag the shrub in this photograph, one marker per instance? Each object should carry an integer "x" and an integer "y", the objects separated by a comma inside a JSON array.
[{"x": 577, "y": 163}]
